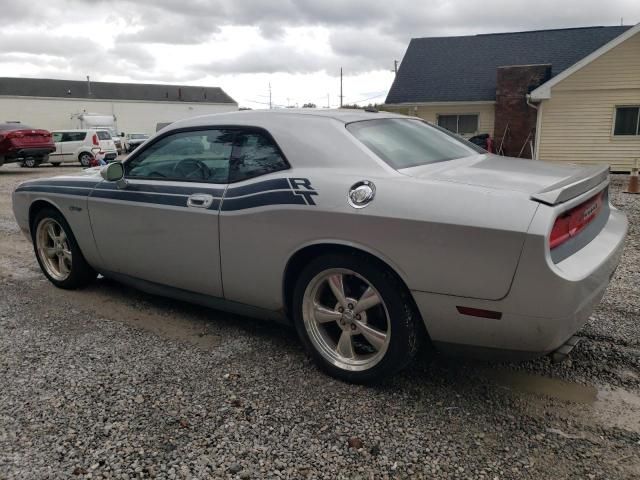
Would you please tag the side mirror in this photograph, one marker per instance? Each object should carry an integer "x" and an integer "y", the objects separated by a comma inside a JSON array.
[{"x": 114, "y": 172}]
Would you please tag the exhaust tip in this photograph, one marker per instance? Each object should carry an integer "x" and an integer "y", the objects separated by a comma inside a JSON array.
[{"x": 563, "y": 352}]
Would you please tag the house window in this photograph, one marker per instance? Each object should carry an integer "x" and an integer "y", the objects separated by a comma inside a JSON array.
[
  {"x": 627, "y": 121},
  {"x": 460, "y": 124}
]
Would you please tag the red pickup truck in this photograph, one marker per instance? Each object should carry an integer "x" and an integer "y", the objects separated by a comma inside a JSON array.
[{"x": 20, "y": 143}]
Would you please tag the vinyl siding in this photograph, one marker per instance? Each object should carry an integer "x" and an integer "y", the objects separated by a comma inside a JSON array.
[
  {"x": 577, "y": 121},
  {"x": 485, "y": 112}
]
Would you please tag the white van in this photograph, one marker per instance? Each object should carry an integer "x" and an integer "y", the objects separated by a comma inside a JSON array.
[{"x": 82, "y": 146}]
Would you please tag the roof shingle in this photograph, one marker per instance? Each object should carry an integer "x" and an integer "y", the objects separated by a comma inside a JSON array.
[
  {"x": 43, "y": 87},
  {"x": 446, "y": 69}
]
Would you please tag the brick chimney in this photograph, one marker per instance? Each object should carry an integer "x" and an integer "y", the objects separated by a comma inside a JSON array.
[{"x": 512, "y": 85}]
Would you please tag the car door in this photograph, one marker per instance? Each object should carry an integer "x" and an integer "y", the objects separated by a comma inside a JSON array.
[
  {"x": 255, "y": 217},
  {"x": 58, "y": 155},
  {"x": 163, "y": 226},
  {"x": 71, "y": 143}
]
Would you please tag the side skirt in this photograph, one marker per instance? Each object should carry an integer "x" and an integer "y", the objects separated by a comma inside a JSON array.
[{"x": 198, "y": 298}]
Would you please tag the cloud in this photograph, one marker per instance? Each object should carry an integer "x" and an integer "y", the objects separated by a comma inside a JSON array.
[{"x": 190, "y": 40}]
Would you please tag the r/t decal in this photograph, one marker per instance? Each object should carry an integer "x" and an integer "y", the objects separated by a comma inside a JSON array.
[{"x": 302, "y": 187}]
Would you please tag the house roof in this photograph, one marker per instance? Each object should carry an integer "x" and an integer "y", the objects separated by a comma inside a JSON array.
[
  {"x": 44, "y": 87},
  {"x": 447, "y": 69}
]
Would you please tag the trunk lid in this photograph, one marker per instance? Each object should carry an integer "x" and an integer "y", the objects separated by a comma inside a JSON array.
[{"x": 545, "y": 182}]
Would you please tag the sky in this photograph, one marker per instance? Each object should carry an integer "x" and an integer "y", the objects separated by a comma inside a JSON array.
[{"x": 247, "y": 47}]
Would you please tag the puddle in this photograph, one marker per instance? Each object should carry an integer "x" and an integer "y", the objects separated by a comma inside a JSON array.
[
  {"x": 611, "y": 407},
  {"x": 549, "y": 387},
  {"x": 111, "y": 300}
]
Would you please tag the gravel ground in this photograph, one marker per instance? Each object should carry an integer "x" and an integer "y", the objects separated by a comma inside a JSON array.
[{"x": 113, "y": 383}]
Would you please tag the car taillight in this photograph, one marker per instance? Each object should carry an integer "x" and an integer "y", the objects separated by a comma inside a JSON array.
[
  {"x": 95, "y": 139},
  {"x": 573, "y": 221}
]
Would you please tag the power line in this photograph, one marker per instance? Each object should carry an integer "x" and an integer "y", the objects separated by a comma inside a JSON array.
[{"x": 381, "y": 94}]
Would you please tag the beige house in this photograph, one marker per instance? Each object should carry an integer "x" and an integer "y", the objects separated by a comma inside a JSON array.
[{"x": 568, "y": 95}]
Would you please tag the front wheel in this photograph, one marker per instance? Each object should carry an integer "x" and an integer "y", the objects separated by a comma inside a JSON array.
[
  {"x": 58, "y": 253},
  {"x": 355, "y": 318}
]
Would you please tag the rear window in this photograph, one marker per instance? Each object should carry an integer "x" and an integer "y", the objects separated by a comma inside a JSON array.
[
  {"x": 404, "y": 143},
  {"x": 103, "y": 135}
]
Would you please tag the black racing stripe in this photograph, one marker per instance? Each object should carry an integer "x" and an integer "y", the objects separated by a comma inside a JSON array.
[
  {"x": 179, "y": 190},
  {"x": 261, "y": 200},
  {"x": 54, "y": 189},
  {"x": 63, "y": 183},
  {"x": 144, "y": 197},
  {"x": 273, "y": 184},
  {"x": 141, "y": 197}
]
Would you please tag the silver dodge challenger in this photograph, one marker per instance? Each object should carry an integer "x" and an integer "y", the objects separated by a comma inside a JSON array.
[{"x": 373, "y": 233}]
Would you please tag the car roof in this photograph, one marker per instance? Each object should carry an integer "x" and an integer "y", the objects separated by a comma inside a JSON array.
[
  {"x": 343, "y": 115},
  {"x": 74, "y": 130},
  {"x": 15, "y": 126}
]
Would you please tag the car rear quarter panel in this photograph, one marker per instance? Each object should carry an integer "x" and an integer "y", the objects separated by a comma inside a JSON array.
[{"x": 446, "y": 238}]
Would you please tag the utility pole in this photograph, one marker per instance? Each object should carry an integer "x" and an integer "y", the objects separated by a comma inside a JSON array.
[
  {"x": 340, "y": 87},
  {"x": 328, "y": 102},
  {"x": 395, "y": 66},
  {"x": 270, "y": 106}
]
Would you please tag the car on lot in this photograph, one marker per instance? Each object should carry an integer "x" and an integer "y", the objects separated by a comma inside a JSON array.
[
  {"x": 118, "y": 142},
  {"x": 134, "y": 140},
  {"x": 373, "y": 233},
  {"x": 21, "y": 143},
  {"x": 82, "y": 145}
]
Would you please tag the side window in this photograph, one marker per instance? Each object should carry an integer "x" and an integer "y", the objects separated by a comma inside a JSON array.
[
  {"x": 254, "y": 154},
  {"x": 627, "y": 121},
  {"x": 57, "y": 137},
  {"x": 76, "y": 136},
  {"x": 201, "y": 156},
  {"x": 71, "y": 137}
]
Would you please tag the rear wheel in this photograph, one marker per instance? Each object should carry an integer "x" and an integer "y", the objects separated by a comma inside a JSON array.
[
  {"x": 57, "y": 251},
  {"x": 355, "y": 318},
  {"x": 30, "y": 162},
  {"x": 85, "y": 159}
]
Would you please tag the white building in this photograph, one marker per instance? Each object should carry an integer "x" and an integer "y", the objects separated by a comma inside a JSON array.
[{"x": 56, "y": 104}]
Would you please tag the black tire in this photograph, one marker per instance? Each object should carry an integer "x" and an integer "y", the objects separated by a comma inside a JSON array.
[
  {"x": 30, "y": 162},
  {"x": 56, "y": 164},
  {"x": 407, "y": 332},
  {"x": 85, "y": 159},
  {"x": 81, "y": 273}
]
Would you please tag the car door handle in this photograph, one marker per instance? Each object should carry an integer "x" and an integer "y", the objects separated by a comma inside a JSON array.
[{"x": 200, "y": 200}]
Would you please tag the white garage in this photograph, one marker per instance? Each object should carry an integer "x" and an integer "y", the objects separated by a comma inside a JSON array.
[{"x": 57, "y": 104}]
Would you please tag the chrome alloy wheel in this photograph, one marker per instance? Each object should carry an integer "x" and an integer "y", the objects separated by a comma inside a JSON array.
[
  {"x": 346, "y": 319},
  {"x": 53, "y": 249}
]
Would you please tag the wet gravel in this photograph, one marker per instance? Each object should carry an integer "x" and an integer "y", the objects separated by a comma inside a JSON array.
[{"x": 113, "y": 383}]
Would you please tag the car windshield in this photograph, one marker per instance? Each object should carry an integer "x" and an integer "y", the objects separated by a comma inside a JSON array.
[
  {"x": 14, "y": 126},
  {"x": 404, "y": 143},
  {"x": 139, "y": 136}
]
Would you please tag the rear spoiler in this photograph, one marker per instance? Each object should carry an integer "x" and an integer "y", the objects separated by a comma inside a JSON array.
[{"x": 582, "y": 181}]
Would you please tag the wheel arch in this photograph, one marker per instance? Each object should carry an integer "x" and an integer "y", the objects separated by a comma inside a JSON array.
[
  {"x": 37, "y": 206},
  {"x": 304, "y": 254}
]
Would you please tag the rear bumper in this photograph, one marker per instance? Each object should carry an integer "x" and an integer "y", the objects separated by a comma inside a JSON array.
[
  {"x": 546, "y": 305},
  {"x": 29, "y": 152}
]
